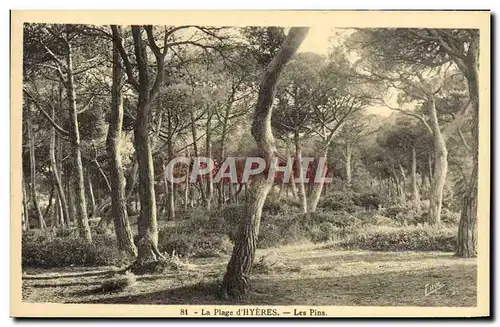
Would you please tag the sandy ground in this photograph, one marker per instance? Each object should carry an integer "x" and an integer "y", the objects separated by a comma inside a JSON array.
[{"x": 300, "y": 274}]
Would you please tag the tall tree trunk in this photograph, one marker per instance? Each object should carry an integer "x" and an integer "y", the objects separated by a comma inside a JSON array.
[
  {"x": 235, "y": 282},
  {"x": 49, "y": 204},
  {"x": 403, "y": 176},
  {"x": 60, "y": 213},
  {"x": 71, "y": 198},
  {"x": 91, "y": 194},
  {"x": 169, "y": 193},
  {"x": 302, "y": 189},
  {"x": 55, "y": 173},
  {"x": 25, "y": 217},
  {"x": 399, "y": 195},
  {"x": 317, "y": 188},
  {"x": 55, "y": 219},
  {"x": 440, "y": 167},
  {"x": 416, "y": 194},
  {"x": 389, "y": 187},
  {"x": 132, "y": 179},
  {"x": 430, "y": 175},
  {"x": 210, "y": 185},
  {"x": 186, "y": 187},
  {"x": 195, "y": 149},
  {"x": 79, "y": 186},
  {"x": 123, "y": 232},
  {"x": 467, "y": 230},
  {"x": 31, "y": 144},
  {"x": 291, "y": 185},
  {"x": 348, "y": 173},
  {"x": 402, "y": 183},
  {"x": 148, "y": 225}
]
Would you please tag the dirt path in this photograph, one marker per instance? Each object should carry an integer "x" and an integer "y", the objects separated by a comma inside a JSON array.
[{"x": 305, "y": 274}]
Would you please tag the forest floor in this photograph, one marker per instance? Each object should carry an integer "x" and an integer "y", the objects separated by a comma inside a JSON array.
[{"x": 308, "y": 274}]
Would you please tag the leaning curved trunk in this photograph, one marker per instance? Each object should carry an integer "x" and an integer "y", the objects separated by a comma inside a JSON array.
[
  {"x": 55, "y": 174},
  {"x": 235, "y": 282},
  {"x": 147, "y": 246},
  {"x": 123, "y": 232}
]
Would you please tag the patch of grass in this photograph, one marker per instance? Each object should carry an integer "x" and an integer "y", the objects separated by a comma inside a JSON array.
[
  {"x": 267, "y": 265},
  {"x": 118, "y": 283}
]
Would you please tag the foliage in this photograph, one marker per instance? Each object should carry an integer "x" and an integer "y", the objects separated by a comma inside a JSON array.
[
  {"x": 368, "y": 200},
  {"x": 46, "y": 250},
  {"x": 415, "y": 238},
  {"x": 193, "y": 244},
  {"x": 340, "y": 201}
]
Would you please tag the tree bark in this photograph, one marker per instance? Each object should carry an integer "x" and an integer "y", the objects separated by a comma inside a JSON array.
[
  {"x": 31, "y": 144},
  {"x": 148, "y": 226},
  {"x": 123, "y": 232},
  {"x": 302, "y": 189},
  {"x": 91, "y": 194},
  {"x": 195, "y": 149},
  {"x": 186, "y": 185},
  {"x": 467, "y": 230},
  {"x": 235, "y": 282},
  {"x": 317, "y": 188},
  {"x": 79, "y": 186},
  {"x": 403, "y": 176},
  {"x": 416, "y": 194},
  {"x": 210, "y": 185},
  {"x": 55, "y": 173},
  {"x": 47, "y": 211},
  {"x": 402, "y": 184},
  {"x": 169, "y": 192},
  {"x": 71, "y": 198},
  {"x": 440, "y": 167},
  {"x": 348, "y": 173},
  {"x": 25, "y": 217}
]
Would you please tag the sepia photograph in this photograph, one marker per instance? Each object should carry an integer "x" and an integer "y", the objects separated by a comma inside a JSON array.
[{"x": 246, "y": 164}]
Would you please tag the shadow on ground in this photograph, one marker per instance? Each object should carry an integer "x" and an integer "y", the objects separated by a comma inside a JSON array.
[{"x": 383, "y": 289}]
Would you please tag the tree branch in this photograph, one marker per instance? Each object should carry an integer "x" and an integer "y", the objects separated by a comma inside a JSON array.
[
  {"x": 117, "y": 39},
  {"x": 46, "y": 115}
]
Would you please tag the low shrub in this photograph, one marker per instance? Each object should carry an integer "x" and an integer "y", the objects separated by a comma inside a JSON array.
[
  {"x": 380, "y": 220},
  {"x": 449, "y": 217},
  {"x": 45, "y": 250},
  {"x": 369, "y": 201},
  {"x": 394, "y": 210},
  {"x": 274, "y": 206},
  {"x": 323, "y": 232},
  {"x": 266, "y": 265},
  {"x": 193, "y": 244},
  {"x": 339, "y": 202},
  {"x": 117, "y": 283},
  {"x": 282, "y": 230},
  {"x": 409, "y": 238},
  {"x": 340, "y": 219}
]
